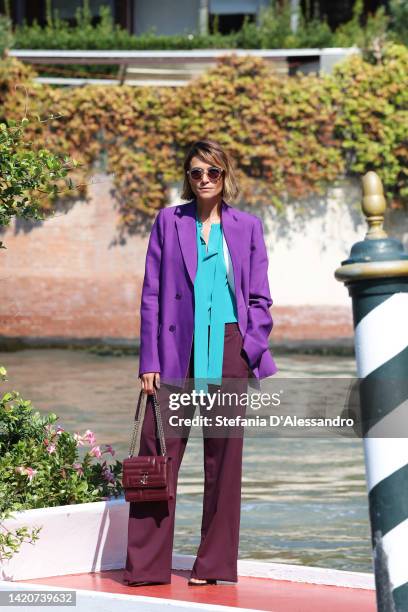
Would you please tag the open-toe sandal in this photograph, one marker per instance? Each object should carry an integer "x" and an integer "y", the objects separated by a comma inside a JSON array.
[{"x": 207, "y": 581}]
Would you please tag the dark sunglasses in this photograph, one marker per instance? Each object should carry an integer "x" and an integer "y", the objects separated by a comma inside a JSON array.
[{"x": 213, "y": 173}]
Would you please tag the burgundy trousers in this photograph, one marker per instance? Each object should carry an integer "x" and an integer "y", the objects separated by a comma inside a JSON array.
[{"x": 151, "y": 524}]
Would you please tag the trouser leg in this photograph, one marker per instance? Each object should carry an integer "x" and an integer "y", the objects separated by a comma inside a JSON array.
[
  {"x": 217, "y": 555},
  {"x": 151, "y": 524}
]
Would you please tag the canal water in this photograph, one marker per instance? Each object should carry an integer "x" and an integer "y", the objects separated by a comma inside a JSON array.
[{"x": 304, "y": 501}]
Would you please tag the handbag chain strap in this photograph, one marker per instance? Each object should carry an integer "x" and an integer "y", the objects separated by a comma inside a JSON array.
[{"x": 139, "y": 418}]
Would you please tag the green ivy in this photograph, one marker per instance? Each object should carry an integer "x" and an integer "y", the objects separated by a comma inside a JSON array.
[{"x": 289, "y": 136}]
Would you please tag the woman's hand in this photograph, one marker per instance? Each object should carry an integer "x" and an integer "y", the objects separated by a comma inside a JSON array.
[{"x": 148, "y": 379}]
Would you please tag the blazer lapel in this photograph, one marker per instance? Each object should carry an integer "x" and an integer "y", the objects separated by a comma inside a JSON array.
[
  {"x": 186, "y": 228},
  {"x": 230, "y": 228}
]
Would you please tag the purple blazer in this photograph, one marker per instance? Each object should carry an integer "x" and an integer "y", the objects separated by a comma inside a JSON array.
[{"x": 167, "y": 304}]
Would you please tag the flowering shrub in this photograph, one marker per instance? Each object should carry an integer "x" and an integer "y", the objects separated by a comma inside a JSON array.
[
  {"x": 40, "y": 466},
  {"x": 290, "y": 137}
]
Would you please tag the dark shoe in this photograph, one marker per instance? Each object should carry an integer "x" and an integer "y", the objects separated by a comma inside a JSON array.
[
  {"x": 144, "y": 583},
  {"x": 207, "y": 581}
]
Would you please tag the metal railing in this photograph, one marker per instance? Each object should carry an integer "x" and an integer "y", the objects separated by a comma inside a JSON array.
[{"x": 177, "y": 67}]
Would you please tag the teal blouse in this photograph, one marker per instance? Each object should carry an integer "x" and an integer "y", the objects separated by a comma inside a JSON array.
[{"x": 215, "y": 305}]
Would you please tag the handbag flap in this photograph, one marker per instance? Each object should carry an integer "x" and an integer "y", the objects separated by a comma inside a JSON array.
[{"x": 145, "y": 472}]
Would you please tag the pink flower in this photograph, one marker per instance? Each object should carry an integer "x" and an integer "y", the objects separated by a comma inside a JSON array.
[
  {"x": 89, "y": 437},
  {"x": 51, "y": 448},
  {"x": 52, "y": 433},
  {"x": 78, "y": 468},
  {"x": 95, "y": 452},
  {"x": 27, "y": 471},
  {"x": 109, "y": 449},
  {"x": 31, "y": 473},
  {"x": 78, "y": 439}
]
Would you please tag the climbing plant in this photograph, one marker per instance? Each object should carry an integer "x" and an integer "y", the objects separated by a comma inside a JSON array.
[{"x": 289, "y": 136}]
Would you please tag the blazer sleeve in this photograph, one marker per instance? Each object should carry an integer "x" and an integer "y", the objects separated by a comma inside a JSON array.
[
  {"x": 149, "y": 310},
  {"x": 260, "y": 322}
]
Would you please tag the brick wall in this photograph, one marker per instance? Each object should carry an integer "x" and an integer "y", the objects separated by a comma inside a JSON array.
[{"x": 65, "y": 278}]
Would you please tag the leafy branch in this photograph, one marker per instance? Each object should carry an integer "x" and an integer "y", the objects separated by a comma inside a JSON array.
[{"x": 26, "y": 172}]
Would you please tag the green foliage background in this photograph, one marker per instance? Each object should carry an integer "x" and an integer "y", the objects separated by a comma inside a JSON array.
[
  {"x": 272, "y": 31},
  {"x": 289, "y": 136}
]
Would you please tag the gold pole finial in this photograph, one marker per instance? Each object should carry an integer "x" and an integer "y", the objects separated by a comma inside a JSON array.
[{"x": 374, "y": 205}]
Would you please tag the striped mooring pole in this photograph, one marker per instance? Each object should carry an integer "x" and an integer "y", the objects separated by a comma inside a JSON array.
[{"x": 376, "y": 275}]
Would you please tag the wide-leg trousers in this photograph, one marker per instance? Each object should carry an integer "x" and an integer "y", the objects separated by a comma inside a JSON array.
[{"x": 151, "y": 524}]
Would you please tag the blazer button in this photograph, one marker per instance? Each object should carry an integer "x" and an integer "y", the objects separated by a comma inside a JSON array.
[
  {"x": 172, "y": 327},
  {"x": 178, "y": 296}
]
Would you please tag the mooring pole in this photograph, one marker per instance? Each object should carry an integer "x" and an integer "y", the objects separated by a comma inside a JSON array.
[{"x": 376, "y": 275}]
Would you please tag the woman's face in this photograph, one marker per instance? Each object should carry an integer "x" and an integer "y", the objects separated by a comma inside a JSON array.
[{"x": 205, "y": 187}]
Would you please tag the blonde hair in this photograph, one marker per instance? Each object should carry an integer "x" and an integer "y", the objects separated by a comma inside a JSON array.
[{"x": 211, "y": 152}]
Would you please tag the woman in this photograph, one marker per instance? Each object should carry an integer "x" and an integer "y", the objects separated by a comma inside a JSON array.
[{"x": 204, "y": 317}]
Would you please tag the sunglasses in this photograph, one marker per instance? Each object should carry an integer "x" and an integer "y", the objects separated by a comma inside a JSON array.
[{"x": 213, "y": 173}]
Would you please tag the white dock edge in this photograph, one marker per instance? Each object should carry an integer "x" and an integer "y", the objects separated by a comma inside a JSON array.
[
  {"x": 98, "y": 601},
  {"x": 293, "y": 573},
  {"x": 92, "y": 537}
]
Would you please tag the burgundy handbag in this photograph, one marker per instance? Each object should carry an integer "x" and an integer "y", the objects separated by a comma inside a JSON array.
[{"x": 147, "y": 478}]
